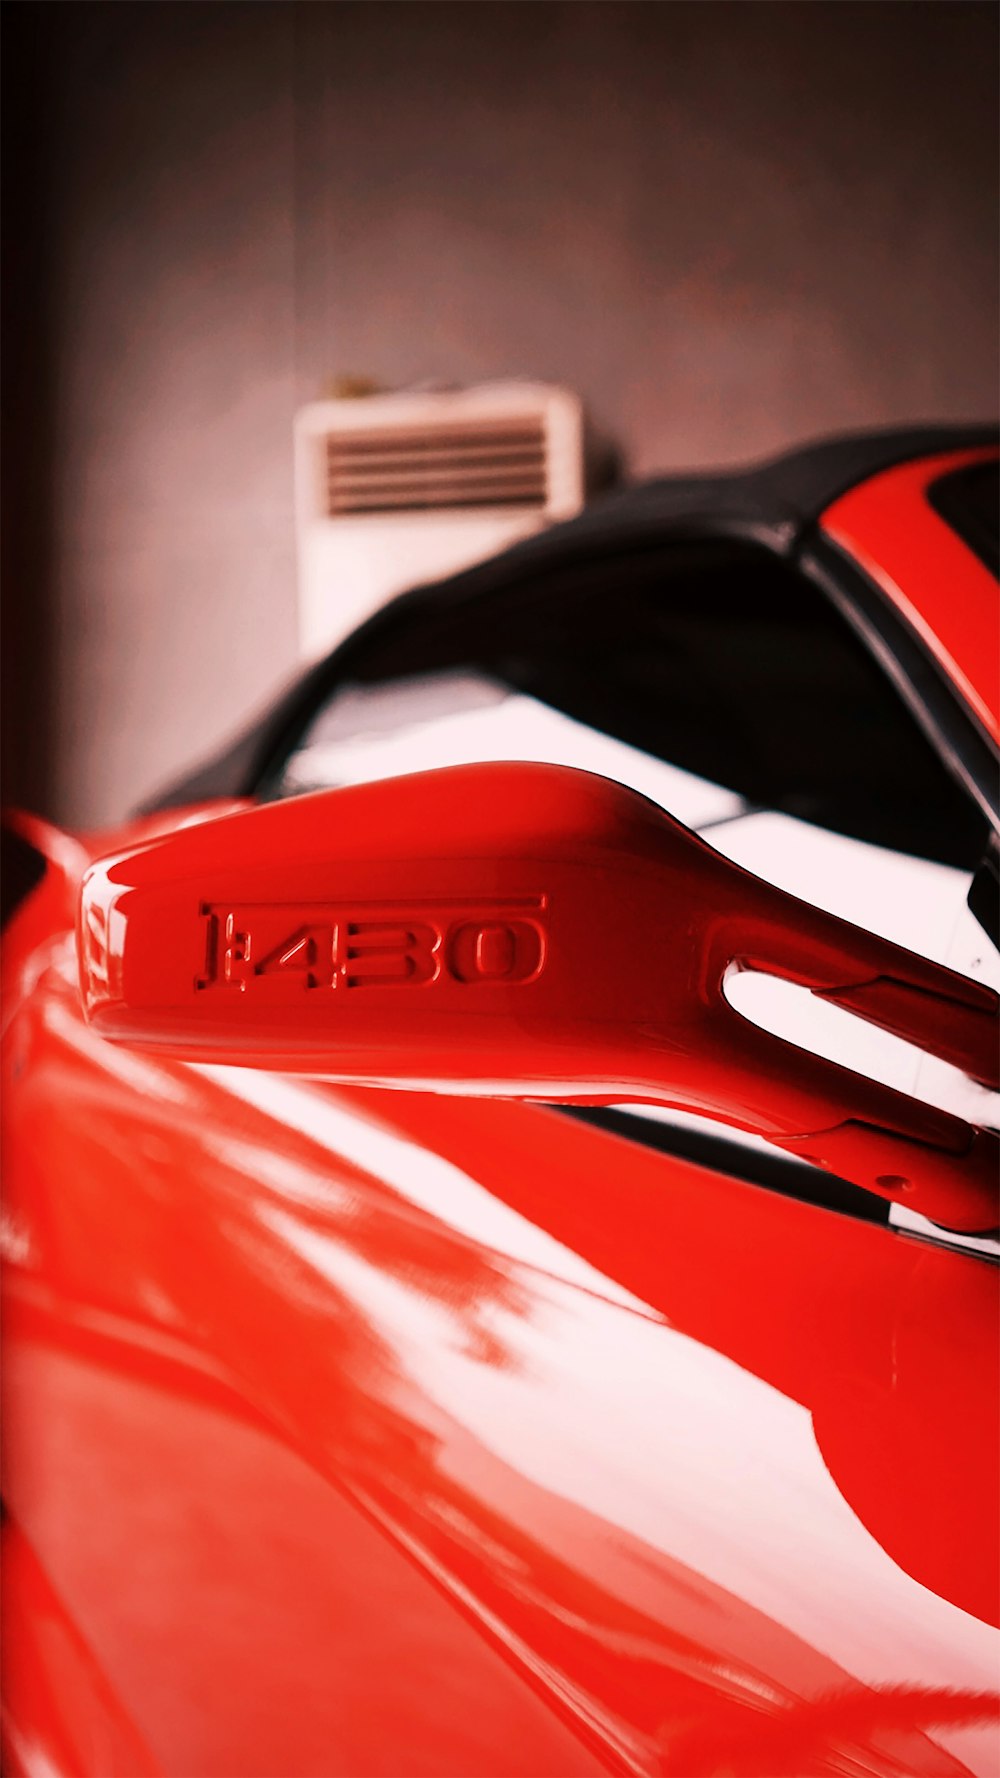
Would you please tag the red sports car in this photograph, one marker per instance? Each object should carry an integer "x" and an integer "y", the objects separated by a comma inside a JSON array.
[{"x": 500, "y": 1176}]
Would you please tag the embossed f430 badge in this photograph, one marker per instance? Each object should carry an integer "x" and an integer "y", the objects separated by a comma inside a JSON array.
[{"x": 371, "y": 945}]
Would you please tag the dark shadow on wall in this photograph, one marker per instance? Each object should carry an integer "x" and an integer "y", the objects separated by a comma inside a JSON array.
[{"x": 27, "y": 415}]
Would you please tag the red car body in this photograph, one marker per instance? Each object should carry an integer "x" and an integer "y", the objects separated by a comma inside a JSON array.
[{"x": 355, "y": 1432}]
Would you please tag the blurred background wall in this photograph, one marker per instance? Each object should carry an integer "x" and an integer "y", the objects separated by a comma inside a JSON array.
[{"x": 728, "y": 226}]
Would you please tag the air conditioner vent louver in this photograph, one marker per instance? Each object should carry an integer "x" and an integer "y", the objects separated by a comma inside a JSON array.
[
  {"x": 398, "y": 489},
  {"x": 411, "y": 469}
]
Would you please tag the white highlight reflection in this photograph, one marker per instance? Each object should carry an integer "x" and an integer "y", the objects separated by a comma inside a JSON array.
[
  {"x": 651, "y": 1431},
  {"x": 488, "y": 723},
  {"x": 421, "y": 1177}
]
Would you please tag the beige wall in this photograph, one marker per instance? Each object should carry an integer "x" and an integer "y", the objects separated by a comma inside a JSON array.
[{"x": 729, "y": 226}]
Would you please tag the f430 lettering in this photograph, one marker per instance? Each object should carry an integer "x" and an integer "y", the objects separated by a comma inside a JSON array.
[{"x": 409, "y": 946}]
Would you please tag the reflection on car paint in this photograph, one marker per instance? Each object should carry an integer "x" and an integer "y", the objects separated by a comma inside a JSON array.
[{"x": 653, "y": 1458}]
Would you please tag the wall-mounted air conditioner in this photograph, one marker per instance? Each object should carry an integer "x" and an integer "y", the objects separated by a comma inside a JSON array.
[{"x": 395, "y": 490}]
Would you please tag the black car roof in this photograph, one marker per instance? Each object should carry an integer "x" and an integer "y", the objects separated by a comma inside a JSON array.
[
  {"x": 798, "y": 486},
  {"x": 766, "y": 501}
]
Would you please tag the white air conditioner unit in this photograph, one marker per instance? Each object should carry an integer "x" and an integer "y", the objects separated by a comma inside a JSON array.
[{"x": 395, "y": 490}]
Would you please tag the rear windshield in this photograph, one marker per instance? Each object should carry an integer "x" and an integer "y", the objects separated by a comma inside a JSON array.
[
  {"x": 727, "y": 668},
  {"x": 969, "y": 501}
]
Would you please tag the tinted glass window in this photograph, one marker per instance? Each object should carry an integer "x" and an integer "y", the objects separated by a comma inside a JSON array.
[
  {"x": 969, "y": 499},
  {"x": 731, "y": 670}
]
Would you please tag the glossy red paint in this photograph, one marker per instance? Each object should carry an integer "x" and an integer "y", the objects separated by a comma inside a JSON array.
[
  {"x": 60, "y": 1714},
  {"x": 934, "y": 579},
  {"x": 354, "y": 1432},
  {"x": 450, "y": 1436},
  {"x": 534, "y": 932}
]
